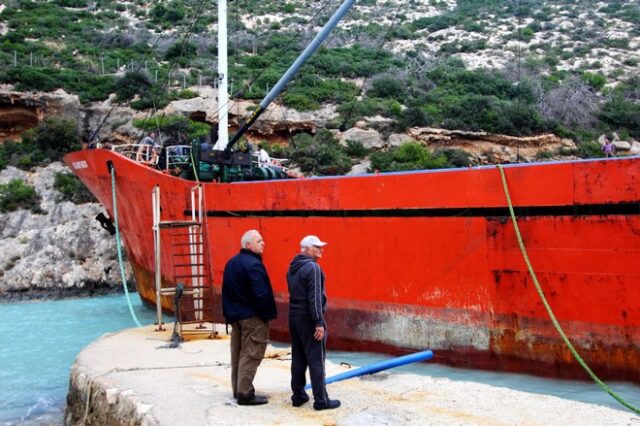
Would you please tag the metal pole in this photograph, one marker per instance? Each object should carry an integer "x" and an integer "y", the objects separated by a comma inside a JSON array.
[
  {"x": 155, "y": 201},
  {"x": 223, "y": 90},
  {"x": 293, "y": 69}
]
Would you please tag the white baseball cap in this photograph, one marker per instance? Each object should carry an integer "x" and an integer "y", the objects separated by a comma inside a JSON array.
[{"x": 312, "y": 240}]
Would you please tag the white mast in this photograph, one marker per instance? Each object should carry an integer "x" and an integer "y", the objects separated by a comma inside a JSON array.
[{"x": 223, "y": 95}]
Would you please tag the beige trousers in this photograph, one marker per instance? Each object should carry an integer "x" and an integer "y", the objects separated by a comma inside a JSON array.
[{"x": 248, "y": 344}]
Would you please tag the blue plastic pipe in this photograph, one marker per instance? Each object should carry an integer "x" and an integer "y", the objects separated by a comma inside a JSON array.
[{"x": 379, "y": 366}]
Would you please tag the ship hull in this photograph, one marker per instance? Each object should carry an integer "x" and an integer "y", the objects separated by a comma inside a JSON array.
[{"x": 427, "y": 259}]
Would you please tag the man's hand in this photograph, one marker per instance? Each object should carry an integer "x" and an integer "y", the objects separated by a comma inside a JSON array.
[{"x": 319, "y": 334}]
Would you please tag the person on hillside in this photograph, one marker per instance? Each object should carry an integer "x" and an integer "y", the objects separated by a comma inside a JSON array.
[
  {"x": 248, "y": 305},
  {"x": 608, "y": 148},
  {"x": 263, "y": 156},
  {"x": 148, "y": 150},
  {"x": 307, "y": 327}
]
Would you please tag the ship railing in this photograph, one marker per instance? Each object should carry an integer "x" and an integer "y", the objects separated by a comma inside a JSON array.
[
  {"x": 277, "y": 162},
  {"x": 142, "y": 153},
  {"x": 176, "y": 156}
]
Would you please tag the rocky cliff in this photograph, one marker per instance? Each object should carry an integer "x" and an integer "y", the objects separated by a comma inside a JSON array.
[{"x": 63, "y": 252}]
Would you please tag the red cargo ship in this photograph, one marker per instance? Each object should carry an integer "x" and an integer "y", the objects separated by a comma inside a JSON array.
[{"x": 424, "y": 259}]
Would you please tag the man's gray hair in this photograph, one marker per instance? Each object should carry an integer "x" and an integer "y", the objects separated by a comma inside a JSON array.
[{"x": 247, "y": 237}]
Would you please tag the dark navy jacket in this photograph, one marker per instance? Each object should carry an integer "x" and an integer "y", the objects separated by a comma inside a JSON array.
[
  {"x": 306, "y": 289},
  {"x": 246, "y": 289}
]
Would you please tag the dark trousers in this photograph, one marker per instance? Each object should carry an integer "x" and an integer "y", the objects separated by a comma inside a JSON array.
[
  {"x": 306, "y": 352},
  {"x": 248, "y": 344}
]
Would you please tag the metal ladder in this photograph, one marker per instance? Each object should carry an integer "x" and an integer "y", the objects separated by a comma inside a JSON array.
[{"x": 189, "y": 266}]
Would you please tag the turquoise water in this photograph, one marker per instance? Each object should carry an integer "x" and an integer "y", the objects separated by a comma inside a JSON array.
[{"x": 40, "y": 341}]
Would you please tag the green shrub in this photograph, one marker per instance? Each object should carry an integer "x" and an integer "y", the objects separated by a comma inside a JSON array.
[
  {"x": 589, "y": 150},
  {"x": 387, "y": 87},
  {"x": 544, "y": 154},
  {"x": 320, "y": 154},
  {"x": 187, "y": 94},
  {"x": 72, "y": 3},
  {"x": 300, "y": 102},
  {"x": 9, "y": 153},
  {"x": 72, "y": 189},
  {"x": 18, "y": 195},
  {"x": 132, "y": 84},
  {"x": 408, "y": 156},
  {"x": 49, "y": 141},
  {"x": 355, "y": 149},
  {"x": 310, "y": 91},
  {"x": 168, "y": 15},
  {"x": 597, "y": 81},
  {"x": 175, "y": 126},
  {"x": 455, "y": 157},
  {"x": 181, "y": 52}
]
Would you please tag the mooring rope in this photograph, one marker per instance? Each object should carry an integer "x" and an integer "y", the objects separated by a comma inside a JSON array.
[
  {"x": 556, "y": 324},
  {"x": 119, "y": 245}
]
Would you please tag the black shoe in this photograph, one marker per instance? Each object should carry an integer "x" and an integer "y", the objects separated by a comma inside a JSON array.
[
  {"x": 253, "y": 400},
  {"x": 298, "y": 402},
  {"x": 329, "y": 404}
]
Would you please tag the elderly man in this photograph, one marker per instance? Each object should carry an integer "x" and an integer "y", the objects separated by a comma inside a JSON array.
[
  {"x": 248, "y": 305},
  {"x": 307, "y": 303}
]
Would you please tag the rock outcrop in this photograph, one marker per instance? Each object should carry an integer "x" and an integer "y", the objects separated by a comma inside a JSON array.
[
  {"x": 61, "y": 252},
  {"x": 22, "y": 111},
  {"x": 491, "y": 148}
]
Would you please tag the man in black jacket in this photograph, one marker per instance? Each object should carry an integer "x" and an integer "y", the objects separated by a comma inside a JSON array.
[
  {"x": 248, "y": 305},
  {"x": 307, "y": 303}
]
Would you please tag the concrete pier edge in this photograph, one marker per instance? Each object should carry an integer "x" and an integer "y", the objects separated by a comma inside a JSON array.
[{"x": 133, "y": 378}]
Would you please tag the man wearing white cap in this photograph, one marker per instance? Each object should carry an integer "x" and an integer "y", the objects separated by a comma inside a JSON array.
[{"x": 307, "y": 304}]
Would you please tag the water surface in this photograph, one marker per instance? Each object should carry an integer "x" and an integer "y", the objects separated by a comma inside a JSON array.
[{"x": 40, "y": 341}]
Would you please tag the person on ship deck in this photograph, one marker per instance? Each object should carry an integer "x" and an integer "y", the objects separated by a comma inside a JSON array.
[{"x": 148, "y": 150}]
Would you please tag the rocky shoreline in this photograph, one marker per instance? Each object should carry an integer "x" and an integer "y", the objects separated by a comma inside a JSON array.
[
  {"x": 61, "y": 253},
  {"x": 39, "y": 294}
]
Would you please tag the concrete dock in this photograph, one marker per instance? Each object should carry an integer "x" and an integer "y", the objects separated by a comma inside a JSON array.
[{"x": 133, "y": 378}]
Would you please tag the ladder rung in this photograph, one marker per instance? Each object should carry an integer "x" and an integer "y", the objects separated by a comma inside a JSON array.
[
  {"x": 195, "y": 234},
  {"x": 177, "y": 223},
  {"x": 187, "y": 254},
  {"x": 172, "y": 290},
  {"x": 186, "y": 244},
  {"x": 191, "y": 276},
  {"x": 182, "y": 265}
]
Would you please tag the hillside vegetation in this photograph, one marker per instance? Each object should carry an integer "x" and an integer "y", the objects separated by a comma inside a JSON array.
[{"x": 517, "y": 67}]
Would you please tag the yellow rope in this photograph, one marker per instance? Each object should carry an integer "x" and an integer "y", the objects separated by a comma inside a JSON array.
[{"x": 584, "y": 365}]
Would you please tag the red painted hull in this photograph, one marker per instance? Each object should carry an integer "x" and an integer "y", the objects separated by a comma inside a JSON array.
[{"x": 429, "y": 259}]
